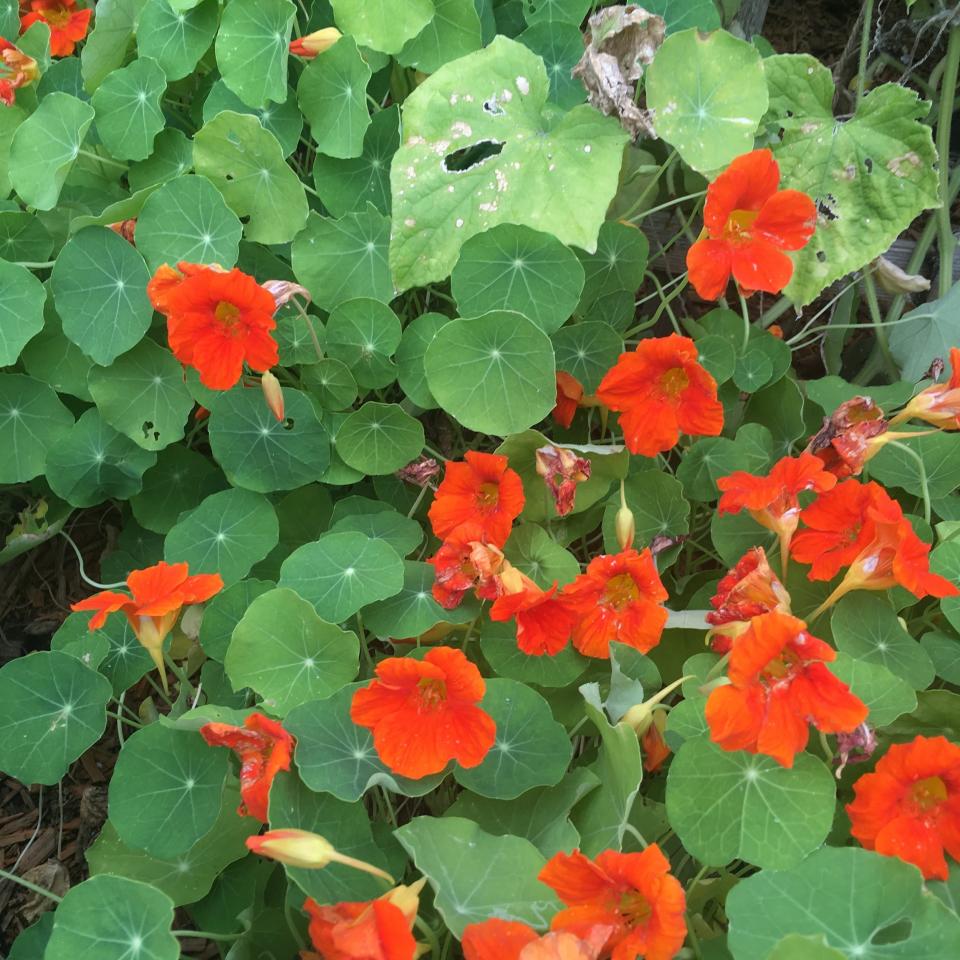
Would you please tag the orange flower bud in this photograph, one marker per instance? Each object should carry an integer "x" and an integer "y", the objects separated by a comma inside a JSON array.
[
  {"x": 315, "y": 43},
  {"x": 300, "y": 848},
  {"x": 272, "y": 393}
]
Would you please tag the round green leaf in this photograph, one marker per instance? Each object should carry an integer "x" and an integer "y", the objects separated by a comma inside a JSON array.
[
  {"x": 127, "y": 104},
  {"x": 618, "y": 264},
  {"x": 494, "y": 374},
  {"x": 734, "y": 534},
  {"x": 659, "y": 509},
  {"x": 886, "y": 695},
  {"x": 252, "y": 49},
  {"x": 336, "y": 756},
  {"x": 92, "y": 463},
  {"x": 45, "y": 146},
  {"x": 384, "y": 25},
  {"x": 332, "y": 94},
  {"x": 259, "y": 453},
  {"x": 127, "y": 660},
  {"x": 23, "y": 237},
  {"x": 176, "y": 39},
  {"x": 52, "y": 708},
  {"x": 287, "y": 654},
  {"x": 75, "y": 637},
  {"x": 944, "y": 652},
  {"x": 227, "y": 534},
  {"x": 554, "y": 11},
  {"x": 454, "y": 31},
  {"x": 224, "y": 611},
  {"x": 718, "y": 356},
  {"x": 187, "y": 219},
  {"x": 21, "y": 310},
  {"x": 560, "y": 45},
  {"x": 531, "y": 550},
  {"x": 531, "y": 749},
  {"x": 413, "y": 610},
  {"x": 411, "y": 375},
  {"x": 330, "y": 383},
  {"x": 32, "y": 422},
  {"x": 726, "y": 805},
  {"x": 32, "y": 942},
  {"x": 511, "y": 267},
  {"x": 364, "y": 334},
  {"x": 710, "y": 458},
  {"x": 113, "y": 918},
  {"x": 342, "y": 572},
  {"x": 379, "y": 438},
  {"x": 681, "y": 14},
  {"x": 402, "y": 533},
  {"x": 587, "y": 351},
  {"x": 283, "y": 120},
  {"x": 99, "y": 285},
  {"x": 172, "y": 157},
  {"x": 55, "y": 360},
  {"x": 709, "y": 93},
  {"x": 246, "y": 164},
  {"x": 178, "y": 481},
  {"x": 752, "y": 371},
  {"x": 499, "y": 644}
]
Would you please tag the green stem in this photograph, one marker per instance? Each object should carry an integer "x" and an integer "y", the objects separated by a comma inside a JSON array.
[
  {"x": 650, "y": 186},
  {"x": 879, "y": 331},
  {"x": 101, "y": 159},
  {"x": 921, "y": 473},
  {"x": 774, "y": 313},
  {"x": 668, "y": 204},
  {"x": 864, "y": 48},
  {"x": 207, "y": 935},
  {"x": 746, "y": 321},
  {"x": 948, "y": 92},
  {"x": 427, "y": 932},
  {"x": 35, "y": 266},
  {"x": 36, "y": 888}
]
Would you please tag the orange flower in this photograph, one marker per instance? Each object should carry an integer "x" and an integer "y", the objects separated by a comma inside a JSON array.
[
  {"x": 854, "y": 433},
  {"x": 16, "y": 70},
  {"x": 158, "y": 594},
  {"x": 938, "y": 404},
  {"x": 264, "y": 748},
  {"x": 464, "y": 563},
  {"x": 217, "y": 320},
  {"x": 909, "y": 807},
  {"x": 497, "y": 939},
  {"x": 749, "y": 589},
  {"x": 561, "y": 471},
  {"x": 483, "y": 491},
  {"x": 747, "y": 224},
  {"x": 652, "y": 743},
  {"x": 424, "y": 713},
  {"x": 544, "y": 617},
  {"x": 779, "y": 684},
  {"x": 618, "y": 599},
  {"x": 67, "y": 23},
  {"x": 569, "y": 395},
  {"x": 660, "y": 391},
  {"x": 634, "y": 893},
  {"x": 312, "y": 44}
]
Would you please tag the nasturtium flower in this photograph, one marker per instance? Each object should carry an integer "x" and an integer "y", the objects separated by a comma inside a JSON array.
[
  {"x": 425, "y": 713},
  {"x": 772, "y": 500},
  {"x": 909, "y": 807},
  {"x": 481, "y": 491},
  {"x": 217, "y": 320},
  {"x": 67, "y": 23},
  {"x": 661, "y": 391},
  {"x": 370, "y": 930},
  {"x": 464, "y": 562},
  {"x": 16, "y": 70},
  {"x": 313, "y": 44},
  {"x": 779, "y": 683},
  {"x": 157, "y": 595},
  {"x": 854, "y": 433},
  {"x": 747, "y": 224},
  {"x": 562, "y": 470},
  {"x": 544, "y": 618},
  {"x": 618, "y": 599},
  {"x": 264, "y": 749},
  {"x": 634, "y": 893},
  {"x": 938, "y": 404},
  {"x": 497, "y": 939},
  {"x": 569, "y": 395}
]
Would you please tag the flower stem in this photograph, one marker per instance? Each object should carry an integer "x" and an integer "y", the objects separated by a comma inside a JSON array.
[
  {"x": 107, "y": 160},
  {"x": 207, "y": 935},
  {"x": 83, "y": 573},
  {"x": 746, "y": 321},
  {"x": 864, "y": 48},
  {"x": 36, "y": 888},
  {"x": 948, "y": 91},
  {"x": 921, "y": 473}
]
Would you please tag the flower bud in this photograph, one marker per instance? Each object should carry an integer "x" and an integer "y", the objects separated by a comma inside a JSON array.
[
  {"x": 273, "y": 394},
  {"x": 895, "y": 280},
  {"x": 315, "y": 43},
  {"x": 310, "y": 851},
  {"x": 624, "y": 525}
]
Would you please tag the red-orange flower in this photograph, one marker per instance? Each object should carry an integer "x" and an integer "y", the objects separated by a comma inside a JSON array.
[
  {"x": 464, "y": 563},
  {"x": 497, "y": 939},
  {"x": 850, "y": 436},
  {"x": 264, "y": 749},
  {"x": 544, "y": 618},
  {"x": 773, "y": 500},
  {"x": 16, "y": 70},
  {"x": 484, "y": 491},
  {"x": 158, "y": 594},
  {"x": 938, "y": 404},
  {"x": 217, "y": 320},
  {"x": 67, "y": 23},
  {"x": 660, "y": 391},
  {"x": 313, "y": 44},
  {"x": 909, "y": 807},
  {"x": 562, "y": 470},
  {"x": 619, "y": 598},
  {"x": 569, "y": 395},
  {"x": 424, "y": 713},
  {"x": 634, "y": 893},
  {"x": 778, "y": 684},
  {"x": 747, "y": 224}
]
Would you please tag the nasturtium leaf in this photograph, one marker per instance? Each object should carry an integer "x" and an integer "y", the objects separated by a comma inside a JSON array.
[
  {"x": 734, "y": 534},
  {"x": 553, "y": 11},
  {"x": 105, "y": 48},
  {"x": 55, "y": 360},
  {"x": 658, "y": 506},
  {"x": 167, "y": 790},
  {"x": 532, "y": 551},
  {"x": 752, "y": 371},
  {"x": 52, "y": 708},
  {"x": 512, "y": 267},
  {"x": 10, "y": 119},
  {"x": 475, "y": 875},
  {"x": 560, "y": 46},
  {"x": 75, "y": 637},
  {"x": 172, "y": 156},
  {"x": 113, "y": 918},
  {"x": 384, "y": 25},
  {"x": 829, "y": 392},
  {"x": 726, "y": 805},
  {"x": 896, "y": 467},
  {"x": 795, "y": 947},
  {"x": 21, "y": 310},
  {"x": 718, "y": 356},
  {"x": 187, "y": 219},
  {"x": 945, "y": 560},
  {"x": 530, "y": 750},
  {"x": 178, "y": 481},
  {"x": 252, "y": 49},
  {"x": 710, "y": 458},
  {"x": 402, "y": 533},
  {"x": 342, "y": 572},
  {"x": 92, "y": 462},
  {"x": 681, "y": 14},
  {"x": 99, "y": 286},
  {"x": 176, "y": 39},
  {"x": 188, "y": 876},
  {"x": 453, "y": 31},
  {"x": 9, "y": 18},
  {"x": 347, "y": 185},
  {"x": 259, "y": 453},
  {"x": 45, "y": 146},
  {"x": 870, "y": 176},
  {"x": 127, "y": 105},
  {"x": 364, "y": 334},
  {"x": 379, "y": 438},
  {"x": 330, "y": 383},
  {"x": 779, "y": 407},
  {"x": 618, "y": 262},
  {"x": 498, "y": 641},
  {"x": 494, "y": 374},
  {"x": 246, "y": 164},
  {"x": 709, "y": 95},
  {"x": 587, "y": 351},
  {"x": 224, "y": 611},
  {"x": 32, "y": 942},
  {"x": 336, "y": 756},
  {"x": 944, "y": 652},
  {"x": 283, "y": 120},
  {"x": 553, "y": 176},
  {"x": 866, "y": 906},
  {"x": 418, "y": 334},
  {"x": 142, "y": 394},
  {"x": 866, "y": 627},
  {"x": 127, "y": 660},
  {"x": 226, "y": 534},
  {"x": 339, "y": 260},
  {"x": 886, "y": 695},
  {"x": 412, "y": 611},
  {"x": 332, "y": 94},
  {"x": 925, "y": 333},
  {"x": 23, "y": 237}
]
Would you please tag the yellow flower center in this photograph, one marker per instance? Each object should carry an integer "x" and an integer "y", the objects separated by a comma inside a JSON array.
[
  {"x": 432, "y": 693},
  {"x": 488, "y": 495},
  {"x": 58, "y": 16},
  {"x": 674, "y": 381},
  {"x": 780, "y": 667},
  {"x": 620, "y": 591},
  {"x": 227, "y": 313},
  {"x": 927, "y": 794},
  {"x": 634, "y": 907},
  {"x": 738, "y": 225}
]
